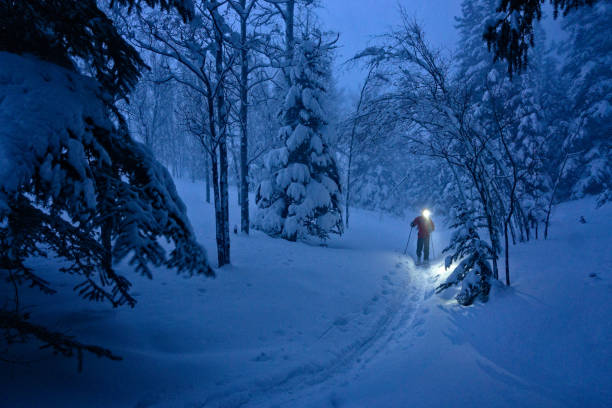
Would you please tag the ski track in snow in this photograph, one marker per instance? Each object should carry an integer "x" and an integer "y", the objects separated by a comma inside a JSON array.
[
  {"x": 394, "y": 327},
  {"x": 354, "y": 324}
]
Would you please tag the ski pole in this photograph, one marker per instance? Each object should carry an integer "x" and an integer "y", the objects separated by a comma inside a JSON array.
[
  {"x": 409, "y": 235},
  {"x": 433, "y": 252}
]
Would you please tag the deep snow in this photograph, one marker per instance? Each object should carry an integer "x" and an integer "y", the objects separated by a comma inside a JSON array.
[{"x": 354, "y": 324}]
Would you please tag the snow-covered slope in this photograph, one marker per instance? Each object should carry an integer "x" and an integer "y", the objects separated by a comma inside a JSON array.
[
  {"x": 354, "y": 324},
  {"x": 544, "y": 342}
]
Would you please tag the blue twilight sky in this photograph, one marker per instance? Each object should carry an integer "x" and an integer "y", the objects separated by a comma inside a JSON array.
[{"x": 358, "y": 20}]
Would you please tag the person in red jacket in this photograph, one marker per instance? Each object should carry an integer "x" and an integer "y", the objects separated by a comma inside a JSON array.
[{"x": 425, "y": 226}]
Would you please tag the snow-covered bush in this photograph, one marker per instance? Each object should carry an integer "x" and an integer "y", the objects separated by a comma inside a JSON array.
[
  {"x": 474, "y": 271},
  {"x": 301, "y": 194}
]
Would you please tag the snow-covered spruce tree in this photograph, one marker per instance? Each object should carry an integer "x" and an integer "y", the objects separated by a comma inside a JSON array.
[
  {"x": 474, "y": 270},
  {"x": 73, "y": 184},
  {"x": 301, "y": 194},
  {"x": 530, "y": 145},
  {"x": 510, "y": 34},
  {"x": 587, "y": 68}
]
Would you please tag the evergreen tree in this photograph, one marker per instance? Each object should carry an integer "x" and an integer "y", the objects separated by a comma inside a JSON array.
[
  {"x": 72, "y": 182},
  {"x": 474, "y": 61},
  {"x": 301, "y": 195},
  {"x": 587, "y": 68},
  {"x": 537, "y": 125},
  {"x": 474, "y": 270},
  {"x": 510, "y": 32}
]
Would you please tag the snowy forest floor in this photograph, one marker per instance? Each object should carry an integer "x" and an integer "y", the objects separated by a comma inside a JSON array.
[{"x": 354, "y": 324}]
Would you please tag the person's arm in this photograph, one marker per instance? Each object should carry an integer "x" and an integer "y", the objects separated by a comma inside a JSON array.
[
  {"x": 433, "y": 227},
  {"x": 413, "y": 223}
]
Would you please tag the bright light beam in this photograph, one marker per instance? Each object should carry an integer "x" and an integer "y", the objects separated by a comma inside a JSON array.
[{"x": 426, "y": 213}]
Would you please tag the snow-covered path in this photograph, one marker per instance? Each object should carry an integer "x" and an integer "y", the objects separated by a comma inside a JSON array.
[
  {"x": 362, "y": 338},
  {"x": 281, "y": 325},
  {"x": 366, "y": 295},
  {"x": 354, "y": 324}
]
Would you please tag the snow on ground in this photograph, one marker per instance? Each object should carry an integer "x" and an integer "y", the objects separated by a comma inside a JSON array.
[
  {"x": 545, "y": 342},
  {"x": 351, "y": 325}
]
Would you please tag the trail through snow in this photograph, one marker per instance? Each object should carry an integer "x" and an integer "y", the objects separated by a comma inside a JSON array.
[
  {"x": 284, "y": 323},
  {"x": 395, "y": 322},
  {"x": 354, "y": 324},
  {"x": 367, "y": 259}
]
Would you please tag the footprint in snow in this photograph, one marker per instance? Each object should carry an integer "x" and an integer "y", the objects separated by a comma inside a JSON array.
[
  {"x": 340, "y": 321},
  {"x": 262, "y": 357}
]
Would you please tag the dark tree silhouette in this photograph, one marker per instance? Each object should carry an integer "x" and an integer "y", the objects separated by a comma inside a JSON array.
[{"x": 511, "y": 35}]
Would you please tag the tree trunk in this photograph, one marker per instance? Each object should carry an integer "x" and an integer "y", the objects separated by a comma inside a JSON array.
[
  {"x": 223, "y": 162},
  {"x": 506, "y": 223},
  {"x": 508, "y": 218},
  {"x": 524, "y": 221},
  {"x": 552, "y": 195},
  {"x": 288, "y": 17},
  {"x": 481, "y": 188},
  {"x": 235, "y": 153},
  {"x": 348, "y": 186},
  {"x": 218, "y": 211},
  {"x": 207, "y": 178},
  {"x": 494, "y": 244},
  {"x": 546, "y": 223},
  {"x": 352, "y": 144},
  {"x": 215, "y": 179},
  {"x": 507, "y": 254},
  {"x": 223, "y": 189},
  {"x": 459, "y": 186},
  {"x": 244, "y": 152}
]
